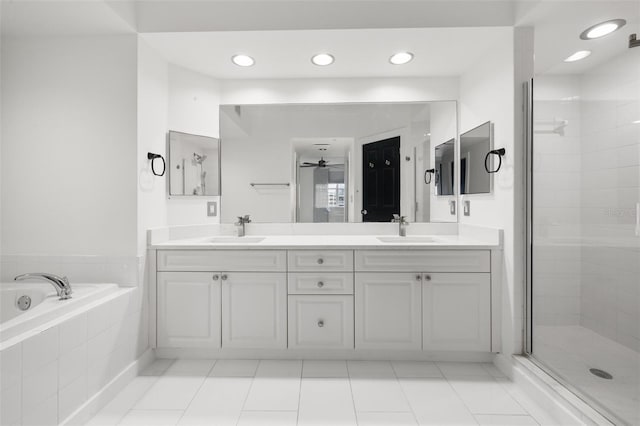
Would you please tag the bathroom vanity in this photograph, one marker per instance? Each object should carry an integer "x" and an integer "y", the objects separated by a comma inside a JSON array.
[{"x": 297, "y": 296}]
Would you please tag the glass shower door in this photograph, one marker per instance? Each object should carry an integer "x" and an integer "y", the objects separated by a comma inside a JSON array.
[{"x": 585, "y": 233}]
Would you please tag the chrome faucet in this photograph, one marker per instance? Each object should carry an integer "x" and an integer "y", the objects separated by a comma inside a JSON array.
[
  {"x": 242, "y": 220},
  {"x": 61, "y": 284},
  {"x": 402, "y": 224}
]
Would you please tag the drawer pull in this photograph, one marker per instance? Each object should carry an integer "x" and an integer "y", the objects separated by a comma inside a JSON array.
[
  {"x": 320, "y": 284},
  {"x": 224, "y": 277},
  {"x": 216, "y": 277},
  {"x": 427, "y": 277},
  {"x": 320, "y": 261},
  {"x": 320, "y": 323}
]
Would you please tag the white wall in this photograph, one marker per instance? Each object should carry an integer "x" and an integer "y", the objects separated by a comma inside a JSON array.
[
  {"x": 193, "y": 105},
  {"x": 69, "y": 145},
  {"x": 490, "y": 91},
  {"x": 153, "y": 104}
]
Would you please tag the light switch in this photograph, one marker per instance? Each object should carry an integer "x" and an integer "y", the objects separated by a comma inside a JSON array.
[
  {"x": 212, "y": 208},
  {"x": 467, "y": 208}
]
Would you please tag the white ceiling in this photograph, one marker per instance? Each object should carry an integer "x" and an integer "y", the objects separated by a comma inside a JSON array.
[
  {"x": 558, "y": 25},
  {"x": 358, "y": 53}
]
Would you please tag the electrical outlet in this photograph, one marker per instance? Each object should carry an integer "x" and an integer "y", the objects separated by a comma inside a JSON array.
[{"x": 212, "y": 208}]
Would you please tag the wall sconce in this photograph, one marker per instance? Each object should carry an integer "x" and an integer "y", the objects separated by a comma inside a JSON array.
[
  {"x": 499, "y": 153},
  {"x": 153, "y": 157}
]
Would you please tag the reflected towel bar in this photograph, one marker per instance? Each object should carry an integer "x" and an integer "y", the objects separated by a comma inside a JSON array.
[{"x": 270, "y": 184}]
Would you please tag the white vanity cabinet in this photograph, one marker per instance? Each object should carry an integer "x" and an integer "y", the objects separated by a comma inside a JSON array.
[
  {"x": 320, "y": 286},
  {"x": 388, "y": 309},
  {"x": 456, "y": 312},
  {"x": 221, "y": 298},
  {"x": 313, "y": 299},
  {"x": 188, "y": 309},
  {"x": 434, "y": 300},
  {"x": 254, "y": 310}
]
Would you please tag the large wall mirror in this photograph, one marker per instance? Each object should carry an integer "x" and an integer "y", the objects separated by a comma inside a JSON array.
[
  {"x": 334, "y": 162},
  {"x": 194, "y": 165},
  {"x": 474, "y": 146}
]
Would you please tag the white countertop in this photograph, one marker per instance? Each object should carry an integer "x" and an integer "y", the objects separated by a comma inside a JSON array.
[{"x": 369, "y": 242}]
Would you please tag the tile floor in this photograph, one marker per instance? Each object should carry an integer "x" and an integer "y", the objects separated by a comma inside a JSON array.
[
  {"x": 341, "y": 393},
  {"x": 570, "y": 351}
]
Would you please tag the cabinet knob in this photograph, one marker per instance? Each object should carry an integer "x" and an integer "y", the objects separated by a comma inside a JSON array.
[
  {"x": 418, "y": 277},
  {"x": 320, "y": 261},
  {"x": 224, "y": 277},
  {"x": 320, "y": 284},
  {"x": 216, "y": 277},
  {"x": 427, "y": 277},
  {"x": 320, "y": 323}
]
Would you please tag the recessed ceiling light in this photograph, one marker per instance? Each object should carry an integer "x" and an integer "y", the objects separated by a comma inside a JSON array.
[
  {"x": 401, "y": 58},
  {"x": 322, "y": 59},
  {"x": 581, "y": 54},
  {"x": 243, "y": 60},
  {"x": 602, "y": 29}
]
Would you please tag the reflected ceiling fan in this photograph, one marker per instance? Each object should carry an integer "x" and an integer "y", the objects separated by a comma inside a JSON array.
[{"x": 321, "y": 163}]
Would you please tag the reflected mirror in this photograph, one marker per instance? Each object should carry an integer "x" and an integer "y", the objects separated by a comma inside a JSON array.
[
  {"x": 194, "y": 165},
  {"x": 474, "y": 146},
  {"x": 444, "y": 170},
  {"x": 333, "y": 162}
]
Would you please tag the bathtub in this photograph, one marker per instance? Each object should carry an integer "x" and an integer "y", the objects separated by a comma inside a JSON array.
[{"x": 45, "y": 305}]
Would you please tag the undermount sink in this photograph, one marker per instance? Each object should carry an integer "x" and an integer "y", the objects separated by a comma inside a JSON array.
[
  {"x": 406, "y": 240},
  {"x": 235, "y": 240}
]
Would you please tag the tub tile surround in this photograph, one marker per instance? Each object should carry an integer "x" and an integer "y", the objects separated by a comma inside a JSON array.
[{"x": 58, "y": 368}]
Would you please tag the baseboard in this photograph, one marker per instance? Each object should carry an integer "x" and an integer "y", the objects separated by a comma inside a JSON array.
[
  {"x": 344, "y": 354},
  {"x": 85, "y": 412},
  {"x": 554, "y": 401}
]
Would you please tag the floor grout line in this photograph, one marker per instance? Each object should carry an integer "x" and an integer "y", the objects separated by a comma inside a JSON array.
[{"x": 197, "y": 391}]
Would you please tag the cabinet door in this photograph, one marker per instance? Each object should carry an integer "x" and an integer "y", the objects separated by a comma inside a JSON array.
[
  {"x": 457, "y": 312},
  {"x": 321, "y": 321},
  {"x": 254, "y": 310},
  {"x": 188, "y": 310},
  {"x": 388, "y": 311}
]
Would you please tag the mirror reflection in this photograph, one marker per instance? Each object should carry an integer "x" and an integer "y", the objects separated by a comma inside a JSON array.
[
  {"x": 332, "y": 162},
  {"x": 444, "y": 170},
  {"x": 474, "y": 146},
  {"x": 193, "y": 164}
]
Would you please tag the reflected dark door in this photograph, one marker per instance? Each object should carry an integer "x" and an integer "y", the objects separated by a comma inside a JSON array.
[{"x": 381, "y": 180}]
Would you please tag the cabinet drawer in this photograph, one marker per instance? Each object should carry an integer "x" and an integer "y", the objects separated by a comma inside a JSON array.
[
  {"x": 321, "y": 321},
  {"x": 320, "y": 260},
  {"x": 320, "y": 283},
  {"x": 222, "y": 260},
  {"x": 423, "y": 260}
]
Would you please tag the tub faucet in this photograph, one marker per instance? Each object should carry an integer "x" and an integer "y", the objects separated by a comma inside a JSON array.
[
  {"x": 61, "y": 284},
  {"x": 402, "y": 224},
  {"x": 242, "y": 220}
]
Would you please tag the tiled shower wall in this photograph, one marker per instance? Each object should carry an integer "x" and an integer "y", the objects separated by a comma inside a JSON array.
[
  {"x": 586, "y": 195},
  {"x": 557, "y": 197},
  {"x": 610, "y": 188}
]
